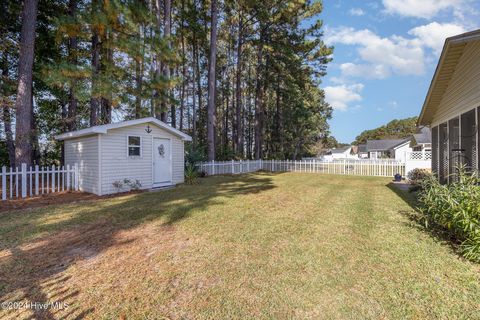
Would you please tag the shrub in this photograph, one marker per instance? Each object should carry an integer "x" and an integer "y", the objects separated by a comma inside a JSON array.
[
  {"x": 455, "y": 208},
  {"x": 416, "y": 176},
  {"x": 191, "y": 174}
]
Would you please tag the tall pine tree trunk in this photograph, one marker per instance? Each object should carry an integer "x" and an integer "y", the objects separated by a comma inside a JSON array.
[
  {"x": 72, "y": 52},
  {"x": 138, "y": 89},
  {"x": 7, "y": 116},
  {"x": 168, "y": 31},
  {"x": 259, "y": 112},
  {"x": 239, "y": 115},
  {"x": 95, "y": 98},
  {"x": 184, "y": 68},
  {"x": 194, "y": 94},
  {"x": 211, "y": 84},
  {"x": 23, "y": 104},
  {"x": 106, "y": 60}
]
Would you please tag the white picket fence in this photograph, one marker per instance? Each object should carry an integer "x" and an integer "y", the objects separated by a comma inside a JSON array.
[
  {"x": 380, "y": 168},
  {"x": 33, "y": 181}
]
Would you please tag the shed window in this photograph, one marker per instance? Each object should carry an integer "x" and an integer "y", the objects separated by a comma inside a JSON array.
[{"x": 134, "y": 146}]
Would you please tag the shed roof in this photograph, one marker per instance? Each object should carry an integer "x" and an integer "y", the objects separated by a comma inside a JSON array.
[
  {"x": 102, "y": 129},
  {"x": 384, "y": 145},
  {"x": 451, "y": 54}
]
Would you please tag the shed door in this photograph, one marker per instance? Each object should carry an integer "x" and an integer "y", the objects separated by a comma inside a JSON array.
[{"x": 162, "y": 162}]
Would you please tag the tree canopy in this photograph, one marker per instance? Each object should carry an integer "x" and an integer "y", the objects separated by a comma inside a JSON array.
[
  {"x": 97, "y": 61},
  {"x": 395, "y": 129}
]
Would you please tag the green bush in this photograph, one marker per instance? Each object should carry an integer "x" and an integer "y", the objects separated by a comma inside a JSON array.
[
  {"x": 456, "y": 208},
  {"x": 191, "y": 174},
  {"x": 416, "y": 176}
]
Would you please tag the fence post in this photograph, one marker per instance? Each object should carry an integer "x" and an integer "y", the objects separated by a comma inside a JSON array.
[
  {"x": 233, "y": 167},
  {"x": 248, "y": 165},
  {"x": 4, "y": 183},
  {"x": 77, "y": 184},
  {"x": 213, "y": 167},
  {"x": 24, "y": 180},
  {"x": 68, "y": 177},
  {"x": 53, "y": 178}
]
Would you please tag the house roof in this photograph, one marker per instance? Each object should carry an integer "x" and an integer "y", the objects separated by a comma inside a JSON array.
[
  {"x": 384, "y": 145},
  {"x": 340, "y": 150},
  {"x": 423, "y": 136},
  {"x": 451, "y": 54},
  {"x": 362, "y": 148},
  {"x": 102, "y": 129}
]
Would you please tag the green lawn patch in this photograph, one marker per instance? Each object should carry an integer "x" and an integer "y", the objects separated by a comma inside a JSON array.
[{"x": 271, "y": 246}]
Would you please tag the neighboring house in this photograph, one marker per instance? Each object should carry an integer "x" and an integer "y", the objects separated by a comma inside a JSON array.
[
  {"x": 362, "y": 151},
  {"x": 422, "y": 141},
  {"x": 388, "y": 149},
  {"x": 452, "y": 106},
  {"x": 146, "y": 150},
  {"x": 340, "y": 153}
]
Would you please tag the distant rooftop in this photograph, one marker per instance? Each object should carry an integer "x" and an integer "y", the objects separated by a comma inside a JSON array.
[
  {"x": 340, "y": 150},
  {"x": 384, "y": 145},
  {"x": 423, "y": 136}
]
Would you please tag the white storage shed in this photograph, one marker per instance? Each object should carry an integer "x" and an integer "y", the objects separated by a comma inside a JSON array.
[{"x": 145, "y": 150}]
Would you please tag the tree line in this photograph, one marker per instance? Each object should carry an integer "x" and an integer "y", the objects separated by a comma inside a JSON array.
[
  {"x": 395, "y": 129},
  {"x": 241, "y": 77}
]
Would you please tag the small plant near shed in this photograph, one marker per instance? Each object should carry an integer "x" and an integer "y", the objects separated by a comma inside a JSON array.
[{"x": 191, "y": 174}]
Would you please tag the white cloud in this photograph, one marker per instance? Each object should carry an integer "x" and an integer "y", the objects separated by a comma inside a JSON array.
[
  {"x": 383, "y": 56},
  {"x": 340, "y": 96},
  {"x": 420, "y": 9},
  {"x": 364, "y": 70},
  {"x": 433, "y": 35},
  {"x": 356, "y": 12}
]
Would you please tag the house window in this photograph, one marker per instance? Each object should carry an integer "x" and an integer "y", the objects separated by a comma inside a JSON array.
[{"x": 134, "y": 146}]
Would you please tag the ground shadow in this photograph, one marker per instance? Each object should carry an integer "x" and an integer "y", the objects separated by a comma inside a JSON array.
[
  {"x": 37, "y": 268},
  {"x": 417, "y": 220}
]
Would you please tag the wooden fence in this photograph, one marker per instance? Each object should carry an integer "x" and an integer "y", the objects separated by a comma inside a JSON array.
[
  {"x": 34, "y": 181},
  {"x": 381, "y": 168}
]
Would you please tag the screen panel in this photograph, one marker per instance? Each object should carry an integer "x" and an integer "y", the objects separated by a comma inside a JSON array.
[
  {"x": 435, "y": 150},
  {"x": 455, "y": 154},
  {"x": 468, "y": 140},
  {"x": 443, "y": 152}
]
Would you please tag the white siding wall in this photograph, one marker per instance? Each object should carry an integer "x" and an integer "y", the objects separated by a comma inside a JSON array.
[
  {"x": 400, "y": 153},
  {"x": 116, "y": 165},
  {"x": 463, "y": 93},
  {"x": 84, "y": 152}
]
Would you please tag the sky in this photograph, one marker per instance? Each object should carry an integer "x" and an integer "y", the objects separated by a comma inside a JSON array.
[{"x": 386, "y": 52}]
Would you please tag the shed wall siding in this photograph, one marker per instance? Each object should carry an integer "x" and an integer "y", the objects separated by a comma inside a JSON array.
[
  {"x": 84, "y": 152},
  {"x": 463, "y": 92},
  {"x": 116, "y": 165}
]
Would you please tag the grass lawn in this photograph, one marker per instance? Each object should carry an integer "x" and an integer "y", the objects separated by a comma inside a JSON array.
[{"x": 275, "y": 246}]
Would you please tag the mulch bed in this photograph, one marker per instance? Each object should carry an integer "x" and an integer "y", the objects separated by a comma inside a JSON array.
[{"x": 54, "y": 198}]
